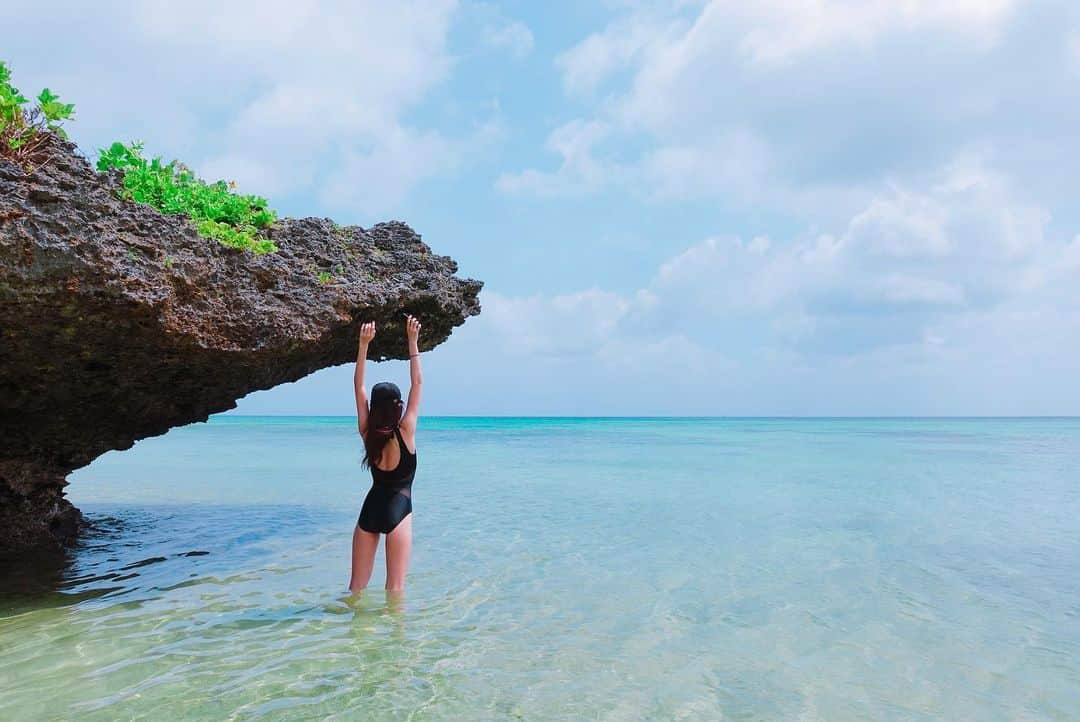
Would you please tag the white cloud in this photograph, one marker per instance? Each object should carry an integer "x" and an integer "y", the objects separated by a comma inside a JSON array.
[
  {"x": 778, "y": 31},
  {"x": 574, "y": 142},
  {"x": 572, "y": 323},
  {"x": 900, "y": 288},
  {"x": 901, "y": 273},
  {"x": 382, "y": 175},
  {"x": 734, "y": 162},
  {"x": 603, "y": 54},
  {"x": 948, "y": 295},
  {"x": 903, "y": 226},
  {"x": 511, "y": 35},
  {"x": 809, "y": 107}
]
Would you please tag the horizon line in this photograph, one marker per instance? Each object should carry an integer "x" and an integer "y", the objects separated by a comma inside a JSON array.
[{"x": 666, "y": 416}]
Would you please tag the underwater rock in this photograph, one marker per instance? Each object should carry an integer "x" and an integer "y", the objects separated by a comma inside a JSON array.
[{"x": 118, "y": 322}]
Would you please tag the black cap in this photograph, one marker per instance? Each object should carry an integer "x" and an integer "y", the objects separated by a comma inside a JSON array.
[{"x": 385, "y": 391}]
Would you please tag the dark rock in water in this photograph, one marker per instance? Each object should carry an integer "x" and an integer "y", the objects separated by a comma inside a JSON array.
[{"x": 118, "y": 322}]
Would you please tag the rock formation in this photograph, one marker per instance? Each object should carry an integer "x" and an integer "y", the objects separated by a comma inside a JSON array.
[{"x": 118, "y": 322}]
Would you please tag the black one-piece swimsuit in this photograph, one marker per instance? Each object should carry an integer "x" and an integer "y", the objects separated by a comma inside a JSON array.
[{"x": 390, "y": 498}]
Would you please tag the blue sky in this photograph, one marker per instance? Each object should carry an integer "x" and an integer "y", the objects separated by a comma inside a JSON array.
[{"x": 777, "y": 208}]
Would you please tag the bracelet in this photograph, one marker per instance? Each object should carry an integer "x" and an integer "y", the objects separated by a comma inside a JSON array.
[{"x": 413, "y": 355}]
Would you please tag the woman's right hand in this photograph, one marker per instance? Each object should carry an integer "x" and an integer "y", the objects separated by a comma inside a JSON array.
[{"x": 367, "y": 332}]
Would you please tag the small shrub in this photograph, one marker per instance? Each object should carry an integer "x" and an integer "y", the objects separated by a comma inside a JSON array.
[
  {"x": 324, "y": 277},
  {"x": 229, "y": 218},
  {"x": 23, "y": 127}
]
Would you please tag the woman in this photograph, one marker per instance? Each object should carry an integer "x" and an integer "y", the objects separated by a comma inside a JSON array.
[{"x": 390, "y": 452}]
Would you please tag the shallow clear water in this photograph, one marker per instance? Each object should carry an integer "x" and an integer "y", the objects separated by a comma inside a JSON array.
[{"x": 568, "y": 569}]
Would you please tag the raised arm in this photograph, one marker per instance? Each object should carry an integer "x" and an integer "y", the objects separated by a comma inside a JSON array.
[
  {"x": 367, "y": 332},
  {"x": 416, "y": 379}
]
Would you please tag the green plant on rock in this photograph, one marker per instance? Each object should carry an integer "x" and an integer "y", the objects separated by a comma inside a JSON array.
[
  {"x": 22, "y": 126},
  {"x": 230, "y": 218},
  {"x": 233, "y": 219}
]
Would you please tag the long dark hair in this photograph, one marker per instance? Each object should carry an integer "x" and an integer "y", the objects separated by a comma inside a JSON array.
[{"x": 383, "y": 418}]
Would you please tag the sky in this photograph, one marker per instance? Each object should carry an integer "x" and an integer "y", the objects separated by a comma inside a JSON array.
[{"x": 786, "y": 207}]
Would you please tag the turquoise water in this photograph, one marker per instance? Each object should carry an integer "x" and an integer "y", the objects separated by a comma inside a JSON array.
[{"x": 612, "y": 569}]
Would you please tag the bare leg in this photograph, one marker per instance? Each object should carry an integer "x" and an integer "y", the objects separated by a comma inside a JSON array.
[
  {"x": 398, "y": 549},
  {"x": 364, "y": 544}
]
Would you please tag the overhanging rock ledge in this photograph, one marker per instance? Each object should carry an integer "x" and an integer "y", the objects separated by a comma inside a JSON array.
[{"x": 118, "y": 322}]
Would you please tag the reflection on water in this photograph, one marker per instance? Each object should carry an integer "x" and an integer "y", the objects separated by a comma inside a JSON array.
[
  {"x": 113, "y": 554},
  {"x": 567, "y": 570},
  {"x": 98, "y": 564},
  {"x": 36, "y": 579}
]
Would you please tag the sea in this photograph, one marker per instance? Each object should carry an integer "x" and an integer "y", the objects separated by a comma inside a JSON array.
[{"x": 566, "y": 569}]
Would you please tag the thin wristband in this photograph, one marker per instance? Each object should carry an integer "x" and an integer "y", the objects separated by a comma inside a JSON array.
[{"x": 412, "y": 355}]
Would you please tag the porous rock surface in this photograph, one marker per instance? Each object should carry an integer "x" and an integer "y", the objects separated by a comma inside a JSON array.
[{"x": 118, "y": 322}]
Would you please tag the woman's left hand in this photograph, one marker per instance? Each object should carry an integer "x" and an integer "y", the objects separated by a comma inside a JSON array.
[{"x": 412, "y": 329}]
